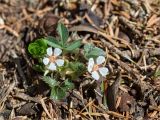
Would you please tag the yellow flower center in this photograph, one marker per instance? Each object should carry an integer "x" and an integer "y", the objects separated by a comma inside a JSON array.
[
  {"x": 95, "y": 67},
  {"x": 52, "y": 59}
]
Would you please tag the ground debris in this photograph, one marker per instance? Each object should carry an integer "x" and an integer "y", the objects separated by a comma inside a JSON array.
[{"x": 128, "y": 31}]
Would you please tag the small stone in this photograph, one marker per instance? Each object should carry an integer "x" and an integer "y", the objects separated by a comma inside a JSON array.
[
  {"x": 1, "y": 118},
  {"x": 1, "y": 21}
]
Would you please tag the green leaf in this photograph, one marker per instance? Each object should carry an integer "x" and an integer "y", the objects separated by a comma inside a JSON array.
[
  {"x": 90, "y": 51},
  {"x": 63, "y": 32},
  {"x": 157, "y": 73},
  {"x": 77, "y": 66},
  {"x": 74, "y": 45},
  {"x": 88, "y": 47},
  {"x": 51, "y": 82},
  {"x": 68, "y": 85},
  {"x": 96, "y": 52},
  {"x": 57, "y": 93},
  {"x": 51, "y": 41},
  {"x": 38, "y": 48},
  {"x": 39, "y": 68},
  {"x": 77, "y": 69}
]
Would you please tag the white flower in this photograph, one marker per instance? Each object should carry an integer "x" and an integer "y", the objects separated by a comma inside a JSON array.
[
  {"x": 52, "y": 60},
  {"x": 96, "y": 69}
]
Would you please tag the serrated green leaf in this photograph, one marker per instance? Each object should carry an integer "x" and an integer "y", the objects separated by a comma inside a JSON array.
[
  {"x": 96, "y": 52},
  {"x": 77, "y": 68},
  {"x": 57, "y": 93},
  {"x": 68, "y": 85},
  {"x": 38, "y": 48},
  {"x": 90, "y": 51},
  {"x": 63, "y": 32},
  {"x": 74, "y": 45},
  {"x": 51, "y": 41},
  {"x": 88, "y": 47},
  {"x": 51, "y": 82}
]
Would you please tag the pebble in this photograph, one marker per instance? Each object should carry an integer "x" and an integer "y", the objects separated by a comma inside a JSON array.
[
  {"x": 1, "y": 118},
  {"x": 1, "y": 21}
]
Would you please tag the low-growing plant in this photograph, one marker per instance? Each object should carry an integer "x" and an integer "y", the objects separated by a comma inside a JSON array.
[{"x": 60, "y": 63}]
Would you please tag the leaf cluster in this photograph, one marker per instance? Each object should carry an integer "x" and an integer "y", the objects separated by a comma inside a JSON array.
[
  {"x": 62, "y": 41},
  {"x": 58, "y": 90}
]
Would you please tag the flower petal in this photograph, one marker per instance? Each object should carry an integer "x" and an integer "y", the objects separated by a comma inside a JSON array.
[
  {"x": 103, "y": 71},
  {"x": 45, "y": 61},
  {"x": 52, "y": 66},
  {"x": 60, "y": 62},
  {"x": 49, "y": 51},
  {"x": 100, "y": 60},
  {"x": 57, "y": 52},
  {"x": 90, "y": 64},
  {"x": 95, "y": 75}
]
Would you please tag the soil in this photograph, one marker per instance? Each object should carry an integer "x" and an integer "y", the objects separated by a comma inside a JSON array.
[{"x": 129, "y": 32}]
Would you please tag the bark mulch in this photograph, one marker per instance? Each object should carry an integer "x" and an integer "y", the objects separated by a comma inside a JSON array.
[{"x": 129, "y": 32}]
